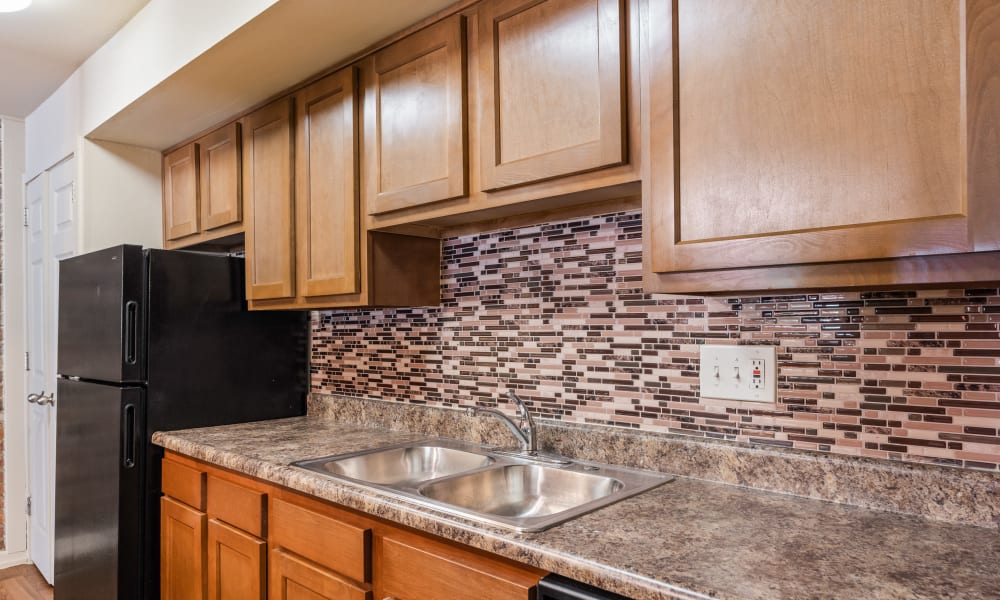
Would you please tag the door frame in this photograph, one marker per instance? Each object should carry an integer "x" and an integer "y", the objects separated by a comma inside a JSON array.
[{"x": 15, "y": 426}]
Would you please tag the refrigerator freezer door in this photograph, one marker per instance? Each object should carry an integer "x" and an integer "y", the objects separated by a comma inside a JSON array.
[
  {"x": 99, "y": 466},
  {"x": 211, "y": 361},
  {"x": 101, "y": 315}
]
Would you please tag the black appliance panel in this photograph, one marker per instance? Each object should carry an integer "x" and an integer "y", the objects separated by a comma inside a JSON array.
[
  {"x": 557, "y": 587},
  {"x": 101, "y": 315},
  {"x": 210, "y": 360},
  {"x": 98, "y": 507}
]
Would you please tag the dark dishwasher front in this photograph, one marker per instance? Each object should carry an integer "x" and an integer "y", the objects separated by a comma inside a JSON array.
[{"x": 557, "y": 587}]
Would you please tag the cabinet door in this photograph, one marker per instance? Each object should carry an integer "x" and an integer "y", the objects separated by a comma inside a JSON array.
[
  {"x": 221, "y": 185},
  {"x": 236, "y": 564},
  {"x": 267, "y": 189},
  {"x": 415, "y": 120},
  {"x": 182, "y": 551},
  {"x": 551, "y": 88},
  {"x": 809, "y": 132},
  {"x": 326, "y": 192},
  {"x": 292, "y": 578},
  {"x": 412, "y": 567},
  {"x": 180, "y": 193}
]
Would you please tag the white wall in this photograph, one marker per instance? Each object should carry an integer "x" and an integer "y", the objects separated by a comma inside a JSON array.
[
  {"x": 53, "y": 129},
  {"x": 163, "y": 37},
  {"x": 15, "y": 481},
  {"x": 120, "y": 198}
]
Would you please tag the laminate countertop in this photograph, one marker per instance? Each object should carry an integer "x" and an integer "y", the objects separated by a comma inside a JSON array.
[{"x": 686, "y": 539}]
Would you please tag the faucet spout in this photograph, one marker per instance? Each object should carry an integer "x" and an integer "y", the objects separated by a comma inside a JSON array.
[{"x": 524, "y": 431}]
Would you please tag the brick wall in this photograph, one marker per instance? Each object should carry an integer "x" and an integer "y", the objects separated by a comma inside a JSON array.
[{"x": 557, "y": 312}]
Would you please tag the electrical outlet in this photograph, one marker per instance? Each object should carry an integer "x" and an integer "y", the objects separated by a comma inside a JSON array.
[{"x": 739, "y": 372}]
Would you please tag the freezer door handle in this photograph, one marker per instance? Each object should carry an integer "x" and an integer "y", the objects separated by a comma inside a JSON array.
[
  {"x": 129, "y": 439},
  {"x": 131, "y": 324}
]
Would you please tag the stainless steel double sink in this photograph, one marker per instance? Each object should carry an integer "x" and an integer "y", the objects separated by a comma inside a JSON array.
[{"x": 516, "y": 490}]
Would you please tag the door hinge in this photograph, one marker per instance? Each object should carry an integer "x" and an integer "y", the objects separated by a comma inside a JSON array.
[
  {"x": 27, "y": 506},
  {"x": 27, "y": 361},
  {"x": 25, "y": 217}
]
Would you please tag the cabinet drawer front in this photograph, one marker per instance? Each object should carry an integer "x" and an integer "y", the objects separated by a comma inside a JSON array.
[
  {"x": 333, "y": 544},
  {"x": 236, "y": 564},
  {"x": 292, "y": 578},
  {"x": 411, "y": 566},
  {"x": 184, "y": 483},
  {"x": 240, "y": 507}
]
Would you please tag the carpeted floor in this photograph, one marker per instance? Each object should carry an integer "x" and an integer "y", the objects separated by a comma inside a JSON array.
[{"x": 23, "y": 582}]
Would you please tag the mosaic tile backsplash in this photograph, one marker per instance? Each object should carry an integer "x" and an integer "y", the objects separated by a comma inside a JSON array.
[{"x": 557, "y": 313}]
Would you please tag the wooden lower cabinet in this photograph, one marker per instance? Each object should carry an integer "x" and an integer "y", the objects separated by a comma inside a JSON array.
[
  {"x": 295, "y": 578},
  {"x": 236, "y": 564},
  {"x": 312, "y": 550},
  {"x": 182, "y": 551}
]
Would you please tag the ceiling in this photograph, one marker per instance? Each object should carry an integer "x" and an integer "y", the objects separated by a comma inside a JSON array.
[{"x": 41, "y": 46}]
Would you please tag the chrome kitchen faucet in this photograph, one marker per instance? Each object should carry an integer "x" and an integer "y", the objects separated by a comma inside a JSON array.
[{"x": 524, "y": 431}]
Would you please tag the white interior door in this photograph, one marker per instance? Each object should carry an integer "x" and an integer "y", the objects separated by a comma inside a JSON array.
[{"x": 51, "y": 236}]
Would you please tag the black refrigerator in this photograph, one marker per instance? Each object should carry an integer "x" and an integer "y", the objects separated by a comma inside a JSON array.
[{"x": 151, "y": 340}]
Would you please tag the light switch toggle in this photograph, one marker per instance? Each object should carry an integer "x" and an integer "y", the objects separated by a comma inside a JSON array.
[{"x": 746, "y": 372}]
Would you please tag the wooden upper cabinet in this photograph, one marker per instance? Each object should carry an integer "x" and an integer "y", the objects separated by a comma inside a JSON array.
[
  {"x": 415, "y": 119},
  {"x": 221, "y": 184},
  {"x": 551, "y": 89},
  {"x": 796, "y": 132},
  {"x": 326, "y": 192},
  {"x": 267, "y": 189},
  {"x": 202, "y": 189},
  {"x": 180, "y": 193}
]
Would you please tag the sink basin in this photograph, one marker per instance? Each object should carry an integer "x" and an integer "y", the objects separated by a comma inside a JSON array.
[
  {"x": 522, "y": 490},
  {"x": 403, "y": 466}
]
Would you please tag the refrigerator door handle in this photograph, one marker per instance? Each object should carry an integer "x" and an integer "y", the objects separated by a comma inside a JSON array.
[
  {"x": 131, "y": 323},
  {"x": 129, "y": 438}
]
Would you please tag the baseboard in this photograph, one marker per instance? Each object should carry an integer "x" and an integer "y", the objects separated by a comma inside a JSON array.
[{"x": 11, "y": 559}]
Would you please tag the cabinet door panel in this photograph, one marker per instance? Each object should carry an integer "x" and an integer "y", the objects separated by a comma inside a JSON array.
[
  {"x": 267, "y": 186},
  {"x": 793, "y": 143},
  {"x": 182, "y": 551},
  {"x": 292, "y": 578},
  {"x": 551, "y": 88},
  {"x": 415, "y": 120},
  {"x": 326, "y": 194},
  {"x": 180, "y": 192},
  {"x": 411, "y": 566},
  {"x": 221, "y": 184},
  {"x": 236, "y": 564}
]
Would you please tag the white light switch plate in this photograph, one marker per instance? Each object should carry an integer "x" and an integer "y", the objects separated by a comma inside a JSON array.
[{"x": 739, "y": 372}]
